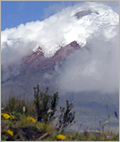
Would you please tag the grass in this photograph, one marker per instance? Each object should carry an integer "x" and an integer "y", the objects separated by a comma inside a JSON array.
[{"x": 18, "y": 124}]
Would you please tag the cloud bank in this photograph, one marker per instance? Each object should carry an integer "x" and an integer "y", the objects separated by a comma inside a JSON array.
[
  {"x": 94, "y": 67},
  {"x": 58, "y": 30}
]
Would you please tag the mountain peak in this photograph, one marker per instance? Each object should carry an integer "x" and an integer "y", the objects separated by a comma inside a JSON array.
[
  {"x": 37, "y": 62},
  {"x": 83, "y": 13},
  {"x": 39, "y": 49},
  {"x": 76, "y": 23}
]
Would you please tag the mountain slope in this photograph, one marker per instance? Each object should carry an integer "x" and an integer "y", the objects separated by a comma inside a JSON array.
[{"x": 74, "y": 52}]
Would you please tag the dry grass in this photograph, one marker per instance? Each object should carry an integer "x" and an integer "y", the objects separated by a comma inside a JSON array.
[{"x": 28, "y": 130}]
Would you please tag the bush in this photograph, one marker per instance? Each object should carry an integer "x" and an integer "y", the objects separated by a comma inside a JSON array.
[
  {"x": 66, "y": 117},
  {"x": 43, "y": 107},
  {"x": 46, "y": 107},
  {"x": 45, "y": 104}
]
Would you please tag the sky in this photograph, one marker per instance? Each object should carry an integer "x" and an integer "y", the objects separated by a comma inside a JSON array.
[
  {"x": 13, "y": 13},
  {"x": 17, "y": 12},
  {"x": 83, "y": 71}
]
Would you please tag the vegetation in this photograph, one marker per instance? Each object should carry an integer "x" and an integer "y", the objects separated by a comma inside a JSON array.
[
  {"x": 45, "y": 104},
  {"x": 32, "y": 121},
  {"x": 66, "y": 117}
]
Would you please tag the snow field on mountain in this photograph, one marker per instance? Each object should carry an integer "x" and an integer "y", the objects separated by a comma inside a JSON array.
[
  {"x": 59, "y": 30},
  {"x": 96, "y": 26}
]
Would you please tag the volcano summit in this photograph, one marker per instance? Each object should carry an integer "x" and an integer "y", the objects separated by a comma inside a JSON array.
[{"x": 74, "y": 52}]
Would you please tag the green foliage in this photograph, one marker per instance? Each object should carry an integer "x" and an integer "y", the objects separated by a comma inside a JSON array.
[
  {"x": 15, "y": 105},
  {"x": 45, "y": 104},
  {"x": 44, "y": 107},
  {"x": 54, "y": 102},
  {"x": 66, "y": 117},
  {"x": 25, "y": 130}
]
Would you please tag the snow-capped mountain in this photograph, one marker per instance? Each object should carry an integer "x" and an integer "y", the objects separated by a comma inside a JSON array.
[
  {"x": 37, "y": 62},
  {"x": 77, "y": 23},
  {"x": 92, "y": 25},
  {"x": 75, "y": 51}
]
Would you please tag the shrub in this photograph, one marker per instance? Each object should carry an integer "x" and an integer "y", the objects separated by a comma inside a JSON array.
[
  {"x": 66, "y": 117},
  {"x": 46, "y": 107},
  {"x": 45, "y": 104}
]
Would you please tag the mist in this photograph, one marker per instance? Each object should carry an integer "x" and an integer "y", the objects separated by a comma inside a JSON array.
[
  {"x": 57, "y": 31},
  {"x": 95, "y": 67}
]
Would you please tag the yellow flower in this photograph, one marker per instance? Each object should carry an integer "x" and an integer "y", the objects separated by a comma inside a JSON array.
[
  {"x": 31, "y": 119},
  {"x": 10, "y": 132},
  {"x": 5, "y": 115},
  {"x": 61, "y": 137}
]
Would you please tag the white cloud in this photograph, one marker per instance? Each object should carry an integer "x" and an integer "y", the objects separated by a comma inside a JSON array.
[
  {"x": 93, "y": 69},
  {"x": 96, "y": 69},
  {"x": 59, "y": 30},
  {"x": 113, "y": 4}
]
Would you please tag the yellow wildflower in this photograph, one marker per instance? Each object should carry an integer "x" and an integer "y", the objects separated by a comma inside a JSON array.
[
  {"x": 10, "y": 132},
  {"x": 31, "y": 119},
  {"x": 61, "y": 137},
  {"x": 5, "y": 115}
]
